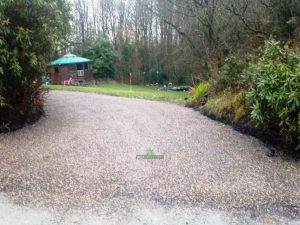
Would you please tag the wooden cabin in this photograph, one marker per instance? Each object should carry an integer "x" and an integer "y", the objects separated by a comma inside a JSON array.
[{"x": 80, "y": 69}]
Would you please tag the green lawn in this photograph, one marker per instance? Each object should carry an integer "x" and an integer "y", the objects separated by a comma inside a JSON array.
[{"x": 151, "y": 93}]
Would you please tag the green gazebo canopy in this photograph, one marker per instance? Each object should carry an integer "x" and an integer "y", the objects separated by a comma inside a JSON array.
[{"x": 69, "y": 59}]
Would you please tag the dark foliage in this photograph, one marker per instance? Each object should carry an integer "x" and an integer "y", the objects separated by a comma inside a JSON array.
[{"x": 29, "y": 32}]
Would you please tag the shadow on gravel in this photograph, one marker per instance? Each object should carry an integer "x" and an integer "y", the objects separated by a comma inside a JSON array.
[
  {"x": 270, "y": 138},
  {"x": 10, "y": 124}
]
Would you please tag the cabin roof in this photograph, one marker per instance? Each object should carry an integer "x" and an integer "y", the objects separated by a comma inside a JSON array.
[{"x": 69, "y": 59}]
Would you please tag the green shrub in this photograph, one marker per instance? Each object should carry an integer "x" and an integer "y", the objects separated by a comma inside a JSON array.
[
  {"x": 274, "y": 95},
  {"x": 230, "y": 75},
  {"x": 200, "y": 91},
  {"x": 30, "y": 31}
]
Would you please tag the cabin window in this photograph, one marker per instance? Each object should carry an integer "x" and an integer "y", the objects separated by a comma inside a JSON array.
[
  {"x": 86, "y": 66},
  {"x": 56, "y": 70},
  {"x": 80, "y": 73},
  {"x": 79, "y": 66}
]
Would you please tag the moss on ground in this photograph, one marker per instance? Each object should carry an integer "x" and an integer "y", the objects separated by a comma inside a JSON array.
[{"x": 228, "y": 106}]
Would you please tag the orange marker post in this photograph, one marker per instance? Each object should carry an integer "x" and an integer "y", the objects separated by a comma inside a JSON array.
[{"x": 130, "y": 81}]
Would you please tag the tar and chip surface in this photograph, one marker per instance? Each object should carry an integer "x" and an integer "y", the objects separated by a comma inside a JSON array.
[{"x": 78, "y": 164}]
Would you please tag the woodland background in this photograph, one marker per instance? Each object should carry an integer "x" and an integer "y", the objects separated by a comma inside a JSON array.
[{"x": 180, "y": 41}]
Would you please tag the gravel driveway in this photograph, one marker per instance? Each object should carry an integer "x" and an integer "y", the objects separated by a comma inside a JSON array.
[{"x": 78, "y": 165}]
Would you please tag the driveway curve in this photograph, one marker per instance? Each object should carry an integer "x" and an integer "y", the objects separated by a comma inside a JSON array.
[{"x": 81, "y": 160}]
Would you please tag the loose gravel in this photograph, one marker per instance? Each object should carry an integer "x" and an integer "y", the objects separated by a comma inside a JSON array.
[{"x": 81, "y": 158}]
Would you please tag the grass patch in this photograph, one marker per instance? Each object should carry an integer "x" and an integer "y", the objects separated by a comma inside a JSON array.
[
  {"x": 200, "y": 91},
  {"x": 150, "y": 93}
]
